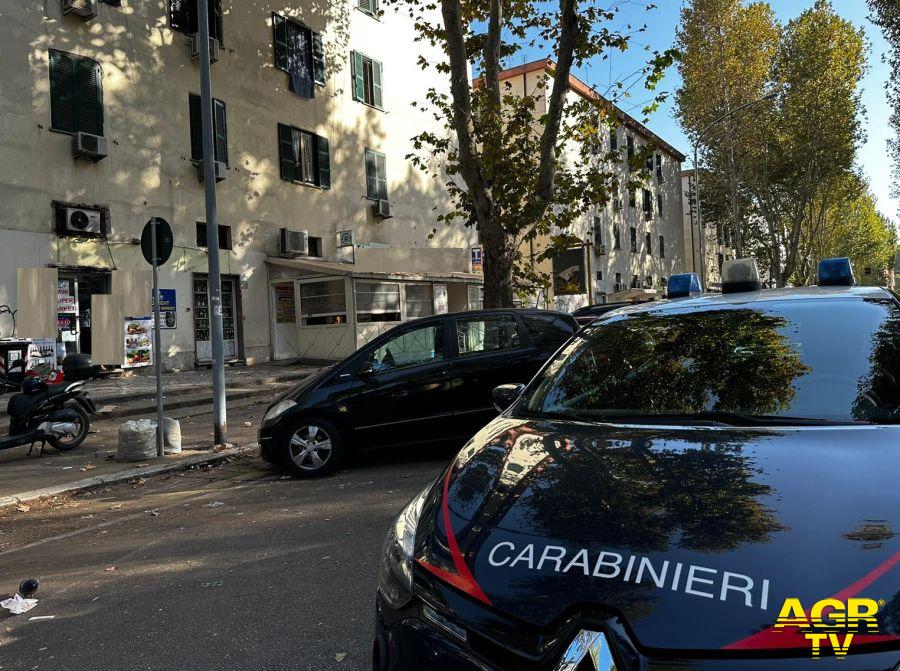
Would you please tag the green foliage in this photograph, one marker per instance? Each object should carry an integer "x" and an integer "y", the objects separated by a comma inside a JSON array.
[{"x": 519, "y": 165}]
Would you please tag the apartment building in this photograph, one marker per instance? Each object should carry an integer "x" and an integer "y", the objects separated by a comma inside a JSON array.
[
  {"x": 324, "y": 226},
  {"x": 630, "y": 245},
  {"x": 709, "y": 245}
]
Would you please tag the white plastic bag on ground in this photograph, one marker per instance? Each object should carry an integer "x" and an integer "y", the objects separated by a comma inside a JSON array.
[
  {"x": 171, "y": 436},
  {"x": 137, "y": 441}
]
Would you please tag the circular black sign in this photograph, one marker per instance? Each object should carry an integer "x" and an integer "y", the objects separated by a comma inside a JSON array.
[{"x": 164, "y": 241}]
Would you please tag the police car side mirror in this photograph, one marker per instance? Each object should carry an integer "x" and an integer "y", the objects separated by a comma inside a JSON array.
[{"x": 506, "y": 394}]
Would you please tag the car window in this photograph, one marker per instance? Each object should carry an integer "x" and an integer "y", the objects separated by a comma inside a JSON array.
[
  {"x": 487, "y": 334},
  {"x": 413, "y": 348},
  {"x": 548, "y": 330},
  {"x": 833, "y": 360}
]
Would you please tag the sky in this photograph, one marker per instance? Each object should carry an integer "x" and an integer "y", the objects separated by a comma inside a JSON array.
[{"x": 662, "y": 23}]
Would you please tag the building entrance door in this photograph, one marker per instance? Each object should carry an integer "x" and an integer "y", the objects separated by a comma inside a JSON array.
[{"x": 74, "y": 293}]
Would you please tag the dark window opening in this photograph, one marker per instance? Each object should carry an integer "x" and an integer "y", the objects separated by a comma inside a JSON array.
[
  {"x": 376, "y": 175},
  {"x": 662, "y": 247},
  {"x": 617, "y": 238},
  {"x": 634, "y": 246},
  {"x": 224, "y": 236},
  {"x": 304, "y": 157},
  {"x": 300, "y": 53},
  {"x": 220, "y": 130},
  {"x": 183, "y": 17},
  {"x": 648, "y": 242}
]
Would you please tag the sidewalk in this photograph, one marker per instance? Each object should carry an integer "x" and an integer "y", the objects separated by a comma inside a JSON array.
[{"x": 188, "y": 394}]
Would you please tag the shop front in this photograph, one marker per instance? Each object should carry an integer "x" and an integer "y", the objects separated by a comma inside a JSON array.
[
  {"x": 232, "y": 318},
  {"x": 325, "y": 311}
]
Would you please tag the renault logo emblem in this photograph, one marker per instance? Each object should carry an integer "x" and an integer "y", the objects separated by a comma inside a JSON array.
[{"x": 588, "y": 645}]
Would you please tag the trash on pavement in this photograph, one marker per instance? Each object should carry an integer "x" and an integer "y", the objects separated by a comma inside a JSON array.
[
  {"x": 137, "y": 441},
  {"x": 41, "y": 617},
  {"x": 87, "y": 467},
  {"x": 214, "y": 583},
  {"x": 248, "y": 424},
  {"x": 29, "y": 586},
  {"x": 154, "y": 512},
  {"x": 17, "y": 605},
  {"x": 21, "y": 508},
  {"x": 171, "y": 436},
  {"x": 340, "y": 657},
  {"x": 215, "y": 504}
]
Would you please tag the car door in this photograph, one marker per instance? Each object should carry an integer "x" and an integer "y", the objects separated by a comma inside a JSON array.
[
  {"x": 403, "y": 389},
  {"x": 490, "y": 349}
]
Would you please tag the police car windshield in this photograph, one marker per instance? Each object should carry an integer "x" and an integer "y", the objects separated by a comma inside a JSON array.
[{"x": 829, "y": 360}]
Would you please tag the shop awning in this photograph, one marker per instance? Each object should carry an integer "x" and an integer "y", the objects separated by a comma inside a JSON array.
[{"x": 309, "y": 268}]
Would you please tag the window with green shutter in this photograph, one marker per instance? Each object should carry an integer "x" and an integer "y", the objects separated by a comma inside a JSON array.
[
  {"x": 220, "y": 129},
  {"x": 300, "y": 53},
  {"x": 304, "y": 157},
  {"x": 376, "y": 175},
  {"x": 367, "y": 80},
  {"x": 183, "y": 17},
  {"x": 369, "y": 7},
  {"x": 76, "y": 94}
]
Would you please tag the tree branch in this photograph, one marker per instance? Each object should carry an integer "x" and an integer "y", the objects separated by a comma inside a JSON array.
[{"x": 492, "y": 52}]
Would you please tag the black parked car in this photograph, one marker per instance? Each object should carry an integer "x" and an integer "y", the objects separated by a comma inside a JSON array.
[
  {"x": 706, "y": 484},
  {"x": 424, "y": 381},
  {"x": 592, "y": 313}
]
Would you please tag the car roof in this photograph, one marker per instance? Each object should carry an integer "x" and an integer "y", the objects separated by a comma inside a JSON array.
[
  {"x": 714, "y": 301},
  {"x": 520, "y": 311}
]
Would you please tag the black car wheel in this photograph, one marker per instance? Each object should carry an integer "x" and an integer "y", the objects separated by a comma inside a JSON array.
[
  {"x": 72, "y": 440},
  {"x": 313, "y": 447}
]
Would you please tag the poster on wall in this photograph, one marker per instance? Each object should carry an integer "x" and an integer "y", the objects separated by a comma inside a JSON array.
[
  {"x": 441, "y": 301},
  {"x": 138, "y": 343},
  {"x": 285, "y": 303},
  {"x": 477, "y": 260},
  {"x": 168, "y": 308}
]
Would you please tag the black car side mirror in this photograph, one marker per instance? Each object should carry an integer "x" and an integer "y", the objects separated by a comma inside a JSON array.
[
  {"x": 506, "y": 394},
  {"x": 366, "y": 371}
]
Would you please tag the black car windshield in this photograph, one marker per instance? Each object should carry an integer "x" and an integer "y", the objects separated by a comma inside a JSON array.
[{"x": 816, "y": 359}]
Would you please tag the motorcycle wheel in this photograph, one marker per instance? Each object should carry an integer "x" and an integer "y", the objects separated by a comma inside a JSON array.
[{"x": 83, "y": 426}]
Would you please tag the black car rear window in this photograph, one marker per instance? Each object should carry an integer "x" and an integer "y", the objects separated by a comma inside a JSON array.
[
  {"x": 831, "y": 359},
  {"x": 549, "y": 330}
]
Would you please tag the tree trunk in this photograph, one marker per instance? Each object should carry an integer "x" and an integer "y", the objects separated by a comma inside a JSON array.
[{"x": 500, "y": 253}]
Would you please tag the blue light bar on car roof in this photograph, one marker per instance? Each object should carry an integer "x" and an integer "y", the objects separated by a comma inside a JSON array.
[
  {"x": 836, "y": 273},
  {"x": 740, "y": 275},
  {"x": 685, "y": 284}
]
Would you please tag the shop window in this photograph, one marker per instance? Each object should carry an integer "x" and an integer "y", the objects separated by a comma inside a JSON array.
[
  {"x": 224, "y": 236},
  {"x": 299, "y": 52},
  {"x": 377, "y": 302},
  {"x": 486, "y": 334},
  {"x": 419, "y": 300},
  {"x": 76, "y": 94},
  {"x": 323, "y": 302}
]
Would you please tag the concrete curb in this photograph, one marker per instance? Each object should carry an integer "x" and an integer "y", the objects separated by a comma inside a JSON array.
[{"x": 125, "y": 476}]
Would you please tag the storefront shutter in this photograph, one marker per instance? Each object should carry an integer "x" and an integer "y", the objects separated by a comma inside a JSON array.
[
  {"x": 89, "y": 96},
  {"x": 62, "y": 92},
  {"x": 279, "y": 27},
  {"x": 324, "y": 162},
  {"x": 376, "y": 83},
  {"x": 286, "y": 155},
  {"x": 221, "y": 128},
  {"x": 359, "y": 81},
  {"x": 196, "y": 128},
  {"x": 318, "y": 54}
]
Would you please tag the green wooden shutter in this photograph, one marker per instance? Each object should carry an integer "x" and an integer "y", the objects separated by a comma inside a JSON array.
[
  {"x": 324, "y": 162},
  {"x": 318, "y": 54},
  {"x": 196, "y": 127},
  {"x": 381, "y": 176},
  {"x": 371, "y": 175},
  {"x": 221, "y": 127},
  {"x": 88, "y": 96},
  {"x": 365, "y": 5},
  {"x": 62, "y": 92},
  {"x": 376, "y": 83},
  {"x": 279, "y": 26},
  {"x": 359, "y": 81},
  {"x": 286, "y": 156},
  {"x": 215, "y": 20}
]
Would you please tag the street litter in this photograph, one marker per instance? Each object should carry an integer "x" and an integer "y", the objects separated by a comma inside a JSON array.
[
  {"x": 17, "y": 605},
  {"x": 67, "y": 468},
  {"x": 340, "y": 657},
  {"x": 41, "y": 617},
  {"x": 22, "y": 508},
  {"x": 111, "y": 568},
  {"x": 87, "y": 467},
  {"x": 215, "y": 504},
  {"x": 214, "y": 583},
  {"x": 154, "y": 512},
  {"x": 248, "y": 424}
]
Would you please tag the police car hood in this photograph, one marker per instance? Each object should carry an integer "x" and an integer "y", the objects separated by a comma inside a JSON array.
[{"x": 693, "y": 536}]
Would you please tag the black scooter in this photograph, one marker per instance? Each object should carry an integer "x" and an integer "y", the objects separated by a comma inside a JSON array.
[{"x": 58, "y": 414}]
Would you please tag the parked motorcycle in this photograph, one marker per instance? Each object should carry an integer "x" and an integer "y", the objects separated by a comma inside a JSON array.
[{"x": 58, "y": 414}]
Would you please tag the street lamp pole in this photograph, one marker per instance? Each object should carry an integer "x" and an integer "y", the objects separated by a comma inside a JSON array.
[{"x": 697, "y": 199}]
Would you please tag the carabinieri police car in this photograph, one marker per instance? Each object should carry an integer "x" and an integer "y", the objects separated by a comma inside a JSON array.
[{"x": 709, "y": 483}]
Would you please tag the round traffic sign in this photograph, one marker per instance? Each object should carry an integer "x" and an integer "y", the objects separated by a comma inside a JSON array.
[{"x": 164, "y": 241}]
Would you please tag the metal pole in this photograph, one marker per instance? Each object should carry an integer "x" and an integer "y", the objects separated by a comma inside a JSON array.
[
  {"x": 157, "y": 348},
  {"x": 703, "y": 283},
  {"x": 220, "y": 432}
]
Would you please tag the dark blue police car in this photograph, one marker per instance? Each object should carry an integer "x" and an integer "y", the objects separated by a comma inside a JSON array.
[{"x": 708, "y": 483}]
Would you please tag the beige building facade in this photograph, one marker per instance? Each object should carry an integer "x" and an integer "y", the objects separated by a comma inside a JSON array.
[
  {"x": 631, "y": 245},
  {"x": 325, "y": 227},
  {"x": 708, "y": 245}
]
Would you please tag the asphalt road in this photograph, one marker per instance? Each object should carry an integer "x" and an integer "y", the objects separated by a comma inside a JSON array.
[{"x": 235, "y": 567}]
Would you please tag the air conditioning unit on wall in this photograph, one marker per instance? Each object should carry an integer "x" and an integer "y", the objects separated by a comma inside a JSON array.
[
  {"x": 293, "y": 243},
  {"x": 221, "y": 171},
  {"x": 86, "y": 9},
  {"x": 91, "y": 147},
  {"x": 194, "y": 44},
  {"x": 82, "y": 222},
  {"x": 384, "y": 209}
]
